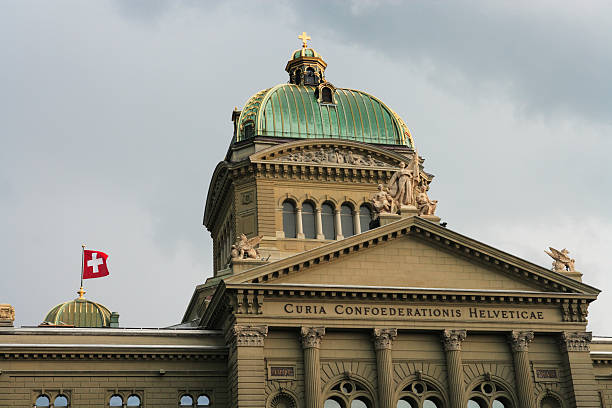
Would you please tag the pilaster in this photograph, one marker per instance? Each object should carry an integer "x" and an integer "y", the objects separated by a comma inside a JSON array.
[
  {"x": 383, "y": 342},
  {"x": 519, "y": 340},
  {"x": 246, "y": 367},
  {"x": 452, "y": 341},
  {"x": 311, "y": 342},
  {"x": 576, "y": 348}
]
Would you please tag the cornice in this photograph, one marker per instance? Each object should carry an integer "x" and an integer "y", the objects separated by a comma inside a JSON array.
[{"x": 427, "y": 231}]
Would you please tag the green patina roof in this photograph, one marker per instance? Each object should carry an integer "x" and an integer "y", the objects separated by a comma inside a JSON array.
[
  {"x": 305, "y": 52},
  {"x": 293, "y": 111},
  {"x": 79, "y": 313}
]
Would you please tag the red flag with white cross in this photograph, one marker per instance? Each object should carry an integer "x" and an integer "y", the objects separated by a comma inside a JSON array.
[{"x": 94, "y": 264}]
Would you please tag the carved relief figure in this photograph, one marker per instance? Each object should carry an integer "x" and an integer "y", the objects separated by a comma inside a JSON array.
[
  {"x": 561, "y": 262},
  {"x": 245, "y": 248},
  {"x": 425, "y": 206},
  {"x": 383, "y": 202},
  {"x": 334, "y": 156},
  {"x": 400, "y": 186}
]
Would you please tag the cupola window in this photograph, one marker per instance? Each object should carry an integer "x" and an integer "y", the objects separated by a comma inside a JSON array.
[
  {"x": 298, "y": 77},
  {"x": 308, "y": 220},
  {"x": 346, "y": 220},
  {"x": 326, "y": 95},
  {"x": 309, "y": 77},
  {"x": 289, "y": 219},
  {"x": 365, "y": 217},
  {"x": 327, "y": 221}
]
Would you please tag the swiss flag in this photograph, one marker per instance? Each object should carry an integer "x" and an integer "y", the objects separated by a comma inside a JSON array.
[{"x": 94, "y": 264}]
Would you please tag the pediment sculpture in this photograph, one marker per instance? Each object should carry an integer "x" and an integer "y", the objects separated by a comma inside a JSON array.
[
  {"x": 405, "y": 188},
  {"x": 244, "y": 248},
  {"x": 334, "y": 155},
  {"x": 561, "y": 261}
]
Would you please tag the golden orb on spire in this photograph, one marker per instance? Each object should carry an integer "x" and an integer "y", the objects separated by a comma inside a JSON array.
[{"x": 304, "y": 37}]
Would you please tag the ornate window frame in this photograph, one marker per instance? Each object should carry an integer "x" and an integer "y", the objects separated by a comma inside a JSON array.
[{"x": 432, "y": 389}]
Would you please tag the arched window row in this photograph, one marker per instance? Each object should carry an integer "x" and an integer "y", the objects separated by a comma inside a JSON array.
[
  {"x": 190, "y": 399},
  {"x": 326, "y": 222},
  {"x": 489, "y": 394},
  {"x": 52, "y": 400},
  {"x": 125, "y": 400},
  {"x": 420, "y": 394},
  {"x": 348, "y": 394}
]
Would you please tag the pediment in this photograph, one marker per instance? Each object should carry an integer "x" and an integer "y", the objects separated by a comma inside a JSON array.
[
  {"x": 326, "y": 152},
  {"x": 413, "y": 253}
]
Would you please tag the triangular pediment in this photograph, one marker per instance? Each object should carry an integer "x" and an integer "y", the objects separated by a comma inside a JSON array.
[{"x": 412, "y": 253}]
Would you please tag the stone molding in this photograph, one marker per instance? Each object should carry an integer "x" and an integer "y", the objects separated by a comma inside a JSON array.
[
  {"x": 383, "y": 338},
  {"x": 520, "y": 340},
  {"x": 452, "y": 339},
  {"x": 576, "y": 341},
  {"x": 311, "y": 336},
  {"x": 249, "y": 336}
]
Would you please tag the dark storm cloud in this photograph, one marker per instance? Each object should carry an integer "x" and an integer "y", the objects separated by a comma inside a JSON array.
[{"x": 552, "y": 59}]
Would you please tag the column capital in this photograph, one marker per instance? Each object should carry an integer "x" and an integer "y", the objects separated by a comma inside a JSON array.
[
  {"x": 250, "y": 336},
  {"x": 520, "y": 340},
  {"x": 452, "y": 339},
  {"x": 576, "y": 341},
  {"x": 383, "y": 338},
  {"x": 311, "y": 336}
]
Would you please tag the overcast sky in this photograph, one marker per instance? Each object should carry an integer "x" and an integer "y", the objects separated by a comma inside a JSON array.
[{"x": 113, "y": 115}]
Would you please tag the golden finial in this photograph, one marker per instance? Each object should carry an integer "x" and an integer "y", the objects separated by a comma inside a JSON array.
[
  {"x": 304, "y": 37},
  {"x": 81, "y": 292}
]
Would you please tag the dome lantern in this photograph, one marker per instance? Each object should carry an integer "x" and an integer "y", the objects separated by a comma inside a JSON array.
[{"x": 306, "y": 67}]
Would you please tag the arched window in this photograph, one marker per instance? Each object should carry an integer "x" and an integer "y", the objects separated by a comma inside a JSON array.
[
  {"x": 309, "y": 77},
  {"x": 365, "y": 217},
  {"x": 186, "y": 400},
  {"x": 346, "y": 221},
  {"x": 348, "y": 394},
  {"x": 60, "y": 401},
  {"x": 298, "y": 77},
  {"x": 308, "y": 220},
  {"x": 326, "y": 95},
  {"x": 42, "y": 401},
  {"x": 420, "y": 394},
  {"x": 133, "y": 401},
  {"x": 283, "y": 401},
  {"x": 549, "y": 402},
  {"x": 327, "y": 221},
  {"x": 289, "y": 219},
  {"x": 203, "y": 401},
  {"x": 489, "y": 394},
  {"x": 115, "y": 401}
]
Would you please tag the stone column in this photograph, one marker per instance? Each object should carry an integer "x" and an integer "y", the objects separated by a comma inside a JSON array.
[
  {"x": 519, "y": 340},
  {"x": 338, "y": 222},
  {"x": 311, "y": 342},
  {"x": 299, "y": 233},
  {"x": 383, "y": 340},
  {"x": 246, "y": 366},
  {"x": 452, "y": 340},
  {"x": 356, "y": 223},
  {"x": 319, "y": 224},
  {"x": 576, "y": 348}
]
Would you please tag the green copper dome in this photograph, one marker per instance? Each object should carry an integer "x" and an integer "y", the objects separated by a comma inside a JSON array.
[
  {"x": 79, "y": 313},
  {"x": 305, "y": 52},
  {"x": 294, "y": 111}
]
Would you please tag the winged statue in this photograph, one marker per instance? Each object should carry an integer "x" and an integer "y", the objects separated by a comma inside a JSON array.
[
  {"x": 561, "y": 261},
  {"x": 245, "y": 247}
]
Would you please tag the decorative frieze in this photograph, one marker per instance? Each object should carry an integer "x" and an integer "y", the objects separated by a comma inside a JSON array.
[
  {"x": 333, "y": 155},
  {"x": 311, "y": 336},
  {"x": 383, "y": 338},
  {"x": 576, "y": 341},
  {"x": 520, "y": 340},
  {"x": 452, "y": 339},
  {"x": 249, "y": 336}
]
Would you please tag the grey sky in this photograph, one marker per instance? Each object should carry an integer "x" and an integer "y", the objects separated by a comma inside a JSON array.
[{"x": 113, "y": 115}]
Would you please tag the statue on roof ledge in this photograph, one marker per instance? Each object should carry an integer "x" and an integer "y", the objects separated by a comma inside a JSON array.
[
  {"x": 561, "y": 261},
  {"x": 245, "y": 248}
]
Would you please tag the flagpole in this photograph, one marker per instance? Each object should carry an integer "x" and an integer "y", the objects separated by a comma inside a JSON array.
[{"x": 81, "y": 292}]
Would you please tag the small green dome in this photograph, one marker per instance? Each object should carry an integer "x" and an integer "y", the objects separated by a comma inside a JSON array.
[
  {"x": 294, "y": 111},
  {"x": 306, "y": 52},
  {"x": 79, "y": 313}
]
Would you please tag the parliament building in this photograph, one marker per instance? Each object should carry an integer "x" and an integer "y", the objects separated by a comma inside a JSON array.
[{"x": 334, "y": 285}]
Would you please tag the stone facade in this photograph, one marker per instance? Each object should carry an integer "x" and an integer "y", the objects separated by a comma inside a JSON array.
[{"x": 330, "y": 310}]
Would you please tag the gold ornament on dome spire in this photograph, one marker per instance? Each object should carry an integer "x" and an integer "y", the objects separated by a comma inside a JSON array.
[{"x": 304, "y": 37}]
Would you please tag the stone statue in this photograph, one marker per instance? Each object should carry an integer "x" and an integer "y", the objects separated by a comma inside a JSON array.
[
  {"x": 245, "y": 248},
  {"x": 383, "y": 202},
  {"x": 425, "y": 206},
  {"x": 402, "y": 184},
  {"x": 562, "y": 262}
]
